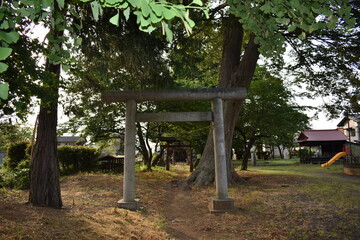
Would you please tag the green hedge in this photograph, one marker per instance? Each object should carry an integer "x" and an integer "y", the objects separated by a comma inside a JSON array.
[
  {"x": 16, "y": 153},
  {"x": 15, "y": 173},
  {"x": 75, "y": 159},
  {"x": 72, "y": 159}
]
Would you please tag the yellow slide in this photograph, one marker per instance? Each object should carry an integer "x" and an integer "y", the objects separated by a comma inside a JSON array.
[{"x": 333, "y": 159}]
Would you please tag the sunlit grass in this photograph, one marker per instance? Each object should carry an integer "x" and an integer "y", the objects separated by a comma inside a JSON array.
[
  {"x": 290, "y": 167},
  {"x": 157, "y": 173},
  {"x": 339, "y": 193},
  {"x": 323, "y": 185},
  {"x": 297, "y": 170}
]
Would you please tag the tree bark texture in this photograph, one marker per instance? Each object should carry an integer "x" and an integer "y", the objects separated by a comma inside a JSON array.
[
  {"x": 44, "y": 167},
  {"x": 236, "y": 71}
]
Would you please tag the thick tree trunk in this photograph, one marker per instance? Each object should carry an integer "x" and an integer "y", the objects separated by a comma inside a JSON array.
[
  {"x": 233, "y": 73},
  {"x": 44, "y": 168},
  {"x": 247, "y": 153},
  {"x": 204, "y": 173},
  {"x": 245, "y": 160},
  {"x": 272, "y": 152},
  {"x": 143, "y": 149},
  {"x": 280, "y": 152},
  {"x": 158, "y": 158},
  {"x": 148, "y": 165}
]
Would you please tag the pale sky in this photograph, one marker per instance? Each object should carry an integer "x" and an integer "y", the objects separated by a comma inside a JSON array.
[{"x": 321, "y": 122}]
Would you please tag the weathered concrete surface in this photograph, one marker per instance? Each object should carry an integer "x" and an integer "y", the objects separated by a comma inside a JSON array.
[
  {"x": 129, "y": 161},
  {"x": 175, "y": 95},
  {"x": 222, "y": 205},
  {"x": 219, "y": 150},
  {"x": 174, "y": 117},
  {"x": 133, "y": 205}
]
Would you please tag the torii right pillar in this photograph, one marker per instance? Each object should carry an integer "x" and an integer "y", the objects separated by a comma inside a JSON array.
[{"x": 221, "y": 203}]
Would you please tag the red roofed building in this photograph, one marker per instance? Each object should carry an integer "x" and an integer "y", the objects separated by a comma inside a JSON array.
[{"x": 321, "y": 144}]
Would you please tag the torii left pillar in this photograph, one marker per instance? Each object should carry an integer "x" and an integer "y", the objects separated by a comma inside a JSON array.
[
  {"x": 129, "y": 201},
  {"x": 221, "y": 203}
]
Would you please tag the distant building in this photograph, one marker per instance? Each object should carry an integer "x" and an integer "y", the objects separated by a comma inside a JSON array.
[
  {"x": 70, "y": 141},
  {"x": 350, "y": 127}
]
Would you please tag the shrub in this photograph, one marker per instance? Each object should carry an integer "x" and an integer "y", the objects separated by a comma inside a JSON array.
[
  {"x": 17, "y": 163},
  {"x": 77, "y": 159},
  {"x": 306, "y": 152},
  {"x": 18, "y": 178},
  {"x": 6, "y": 178},
  {"x": 15, "y": 173},
  {"x": 22, "y": 178},
  {"x": 24, "y": 164},
  {"x": 68, "y": 159},
  {"x": 87, "y": 158},
  {"x": 16, "y": 152}
]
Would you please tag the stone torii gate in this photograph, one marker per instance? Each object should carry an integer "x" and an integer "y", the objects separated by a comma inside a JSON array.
[{"x": 221, "y": 203}]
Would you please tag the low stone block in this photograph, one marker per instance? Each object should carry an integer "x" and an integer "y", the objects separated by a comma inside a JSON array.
[
  {"x": 222, "y": 205},
  {"x": 133, "y": 206}
]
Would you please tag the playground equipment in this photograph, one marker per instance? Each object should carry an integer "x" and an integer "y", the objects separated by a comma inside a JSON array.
[{"x": 333, "y": 159}]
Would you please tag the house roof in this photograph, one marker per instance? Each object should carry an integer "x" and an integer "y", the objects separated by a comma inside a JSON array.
[
  {"x": 68, "y": 139},
  {"x": 343, "y": 121},
  {"x": 322, "y": 136}
]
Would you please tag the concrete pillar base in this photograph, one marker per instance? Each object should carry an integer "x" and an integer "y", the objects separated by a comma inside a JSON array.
[
  {"x": 133, "y": 206},
  {"x": 222, "y": 205}
]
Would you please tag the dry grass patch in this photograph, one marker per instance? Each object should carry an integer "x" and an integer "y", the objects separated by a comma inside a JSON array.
[{"x": 275, "y": 205}]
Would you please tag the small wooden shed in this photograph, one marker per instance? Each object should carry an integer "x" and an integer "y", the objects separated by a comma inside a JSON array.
[
  {"x": 111, "y": 163},
  {"x": 321, "y": 144}
]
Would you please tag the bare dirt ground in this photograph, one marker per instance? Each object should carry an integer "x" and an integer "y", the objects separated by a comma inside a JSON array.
[{"x": 270, "y": 206}]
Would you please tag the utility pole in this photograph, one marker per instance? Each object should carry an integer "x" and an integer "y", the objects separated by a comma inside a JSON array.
[{"x": 349, "y": 132}]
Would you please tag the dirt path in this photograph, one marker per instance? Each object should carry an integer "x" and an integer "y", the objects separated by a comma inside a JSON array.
[
  {"x": 179, "y": 212},
  {"x": 185, "y": 213}
]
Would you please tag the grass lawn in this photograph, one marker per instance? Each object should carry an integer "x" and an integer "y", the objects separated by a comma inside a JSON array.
[
  {"x": 292, "y": 167},
  {"x": 281, "y": 200}
]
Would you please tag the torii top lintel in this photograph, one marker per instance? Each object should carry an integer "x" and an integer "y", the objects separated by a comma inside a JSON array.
[{"x": 197, "y": 94}]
